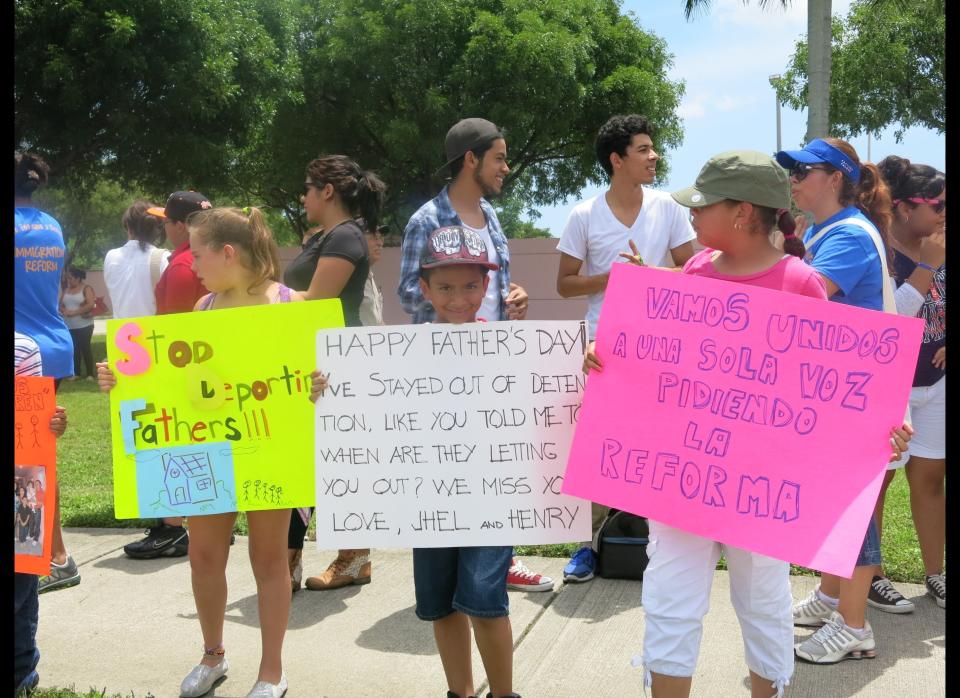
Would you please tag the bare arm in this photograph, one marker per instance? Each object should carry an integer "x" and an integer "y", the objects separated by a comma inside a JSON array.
[
  {"x": 682, "y": 254},
  {"x": 571, "y": 284},
  {"x": 931, "y": 254},
  {"x": 832, "y": 288},
  {"x": 329, "y": 278}
]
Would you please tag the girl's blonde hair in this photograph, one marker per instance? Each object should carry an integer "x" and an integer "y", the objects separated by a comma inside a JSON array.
[{"x": 246, "y": 230}]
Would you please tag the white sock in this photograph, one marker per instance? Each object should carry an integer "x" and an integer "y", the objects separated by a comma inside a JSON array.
[
  {"x": 858, "y": 632},
  {"x": 827, "y": 599}
]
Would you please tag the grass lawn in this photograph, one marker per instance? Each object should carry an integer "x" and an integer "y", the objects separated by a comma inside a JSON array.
[
  {"x": 92, "y": 693},
  {"x": 86, "y": 477}
]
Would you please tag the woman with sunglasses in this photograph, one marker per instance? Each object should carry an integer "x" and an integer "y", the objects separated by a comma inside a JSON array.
[
  {"x": 847, "y": 246},
  {"x": 919, "y": 214},
  {"x": 334, "y": 263}
]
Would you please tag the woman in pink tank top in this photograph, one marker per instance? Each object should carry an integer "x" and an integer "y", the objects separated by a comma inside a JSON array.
[{"x": 235, "y": 256}]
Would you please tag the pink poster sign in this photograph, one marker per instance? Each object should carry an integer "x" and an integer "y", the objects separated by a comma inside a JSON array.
[{"x": 753, "y": 417}]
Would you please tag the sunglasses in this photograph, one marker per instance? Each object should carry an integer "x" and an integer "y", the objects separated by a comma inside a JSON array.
[
  {"x": 938, "y": 205},
  {"x": 800, "y": 170}
]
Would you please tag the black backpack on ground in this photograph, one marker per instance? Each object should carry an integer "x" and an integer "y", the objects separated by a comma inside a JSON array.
[{"x": 621, "y": 545}]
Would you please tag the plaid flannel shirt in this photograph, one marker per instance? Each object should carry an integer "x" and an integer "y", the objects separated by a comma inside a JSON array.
[{"x": 437, "y": 213}]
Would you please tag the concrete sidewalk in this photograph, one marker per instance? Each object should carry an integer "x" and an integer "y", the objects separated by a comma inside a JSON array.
[{"x": 131, "y": 626}]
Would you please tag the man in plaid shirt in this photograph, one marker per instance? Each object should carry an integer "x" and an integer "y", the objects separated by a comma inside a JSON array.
[{"x": 477, "y": 164}]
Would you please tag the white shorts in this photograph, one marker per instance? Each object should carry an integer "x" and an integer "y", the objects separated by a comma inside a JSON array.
[
  {"x": 676, "y": 597},
  {"x": 928, "y": 415}
]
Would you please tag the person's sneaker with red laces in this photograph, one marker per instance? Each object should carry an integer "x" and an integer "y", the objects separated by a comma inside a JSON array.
[{"x": 521, "y": 578}]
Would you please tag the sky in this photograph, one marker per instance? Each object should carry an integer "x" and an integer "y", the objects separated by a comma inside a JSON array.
[{"x": 726, "y": 57}]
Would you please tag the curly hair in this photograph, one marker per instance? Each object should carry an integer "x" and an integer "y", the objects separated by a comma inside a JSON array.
[{"x": 615, "y": 136}]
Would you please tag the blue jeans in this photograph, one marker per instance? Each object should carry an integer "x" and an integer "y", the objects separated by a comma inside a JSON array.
[
  {"x": 472, "y": 580},
  {"x": 870, "y": 550},
  {"x": 26, "y": 612}
]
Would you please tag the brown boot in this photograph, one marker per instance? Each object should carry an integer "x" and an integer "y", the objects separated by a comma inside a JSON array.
[
  {"x": 294, "y": 557},
  {"x": 350, "y": 567}
]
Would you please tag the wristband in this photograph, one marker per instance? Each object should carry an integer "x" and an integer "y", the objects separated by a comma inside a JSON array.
[{"x": 924, "y": 265}]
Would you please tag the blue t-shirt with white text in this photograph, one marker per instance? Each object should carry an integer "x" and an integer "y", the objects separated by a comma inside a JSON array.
[
  {"x": 847, "y": 256},
  {"x": 38, "y": 258}
]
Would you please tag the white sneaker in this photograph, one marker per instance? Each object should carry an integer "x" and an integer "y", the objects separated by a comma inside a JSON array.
[
  {"x": 262, "y": 689},
  {"x": 812, "y": 611},
  {"x": 835, "y": 642},
  {"x": 202, "y": 678}
]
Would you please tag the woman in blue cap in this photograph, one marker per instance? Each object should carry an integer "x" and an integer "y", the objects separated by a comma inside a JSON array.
[{"x": 847, "y": 246}]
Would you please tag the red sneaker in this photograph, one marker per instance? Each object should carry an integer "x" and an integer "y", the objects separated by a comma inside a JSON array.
[{"x": 522, "y": 579}]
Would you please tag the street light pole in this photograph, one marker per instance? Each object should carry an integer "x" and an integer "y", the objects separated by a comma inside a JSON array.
[{"x": 773, "y": 83}]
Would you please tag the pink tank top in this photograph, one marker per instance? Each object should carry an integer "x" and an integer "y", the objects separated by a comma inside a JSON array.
[{"x": 283, "y": 296}]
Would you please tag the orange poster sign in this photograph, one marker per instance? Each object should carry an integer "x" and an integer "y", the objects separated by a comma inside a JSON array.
[{"x": 34, "y": 473}]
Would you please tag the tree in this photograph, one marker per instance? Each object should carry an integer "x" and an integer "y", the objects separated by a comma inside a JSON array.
[
  {"x": 167, "y": 93},
  {"x": 234, "y": 97},
  {"x": 89, "y": 212},
  {"x": 510, "y": 210},
  {"x": 888, "y": 69},
  {"x": 383, "y": 81},
  {"x": 818, "y": 55}
]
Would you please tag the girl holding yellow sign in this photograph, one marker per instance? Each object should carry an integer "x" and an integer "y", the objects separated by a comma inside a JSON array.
[{"x": 235, "y": 256}]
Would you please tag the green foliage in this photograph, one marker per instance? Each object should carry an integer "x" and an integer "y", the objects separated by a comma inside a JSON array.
[
  {"x": 89, "y": 213},
  {"x": 234, "y": 97},
  {"x": 167, "y": 94},
  {"x": 72, "y": 693},
  {"x": 888, "y": 69},
  {"x": 384, "y": 81},
  {"x": 510, "y": 210}
]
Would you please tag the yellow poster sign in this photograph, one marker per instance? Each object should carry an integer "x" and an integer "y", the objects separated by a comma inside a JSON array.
[{"x": 211, "y": 412}]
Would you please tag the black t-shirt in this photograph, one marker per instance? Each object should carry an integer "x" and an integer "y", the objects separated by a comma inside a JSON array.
[
  {"x": 345, "y": 241},
  {"x": 934, "y": 314}
]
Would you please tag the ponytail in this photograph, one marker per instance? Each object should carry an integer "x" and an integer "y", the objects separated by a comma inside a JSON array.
[
  {"x": 265, "y": 258},
  {"x": 871, "y": 195},
  {"x": 145, "y": 228},
  {"x": 788, "y": 226},
  {"x": 874, "y": 200},
  {"x": 368, "y": 198},
  {"x": 361, "y": 191},
  {"x": 246, "y": 230}
]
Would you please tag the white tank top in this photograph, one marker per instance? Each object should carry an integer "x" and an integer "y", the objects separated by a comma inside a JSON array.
[{"x": 72, "y": 301}]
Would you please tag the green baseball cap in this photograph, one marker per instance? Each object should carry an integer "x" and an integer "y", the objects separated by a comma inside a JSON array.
[{"x": 740, "y": 175}]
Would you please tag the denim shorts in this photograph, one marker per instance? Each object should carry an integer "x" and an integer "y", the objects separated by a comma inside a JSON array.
[
  {"x": 470, "y": 580},
  {"x": 870, "y": 550}
]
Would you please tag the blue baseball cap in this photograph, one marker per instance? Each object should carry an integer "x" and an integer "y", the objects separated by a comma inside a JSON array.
[{"x": 818, "y": 150}]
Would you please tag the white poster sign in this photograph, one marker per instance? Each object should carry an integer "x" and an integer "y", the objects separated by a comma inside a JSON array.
[{"x": 448, "y": 435}]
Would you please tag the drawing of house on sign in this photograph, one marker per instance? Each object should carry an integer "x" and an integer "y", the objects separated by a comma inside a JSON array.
[{"x": 189, "y": 478}]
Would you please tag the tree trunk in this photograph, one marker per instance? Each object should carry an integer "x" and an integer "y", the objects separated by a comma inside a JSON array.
[{"x": 819, "y": 43}]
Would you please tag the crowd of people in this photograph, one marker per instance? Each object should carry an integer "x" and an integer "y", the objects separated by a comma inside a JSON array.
[{"x": 871, "y": 236}]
